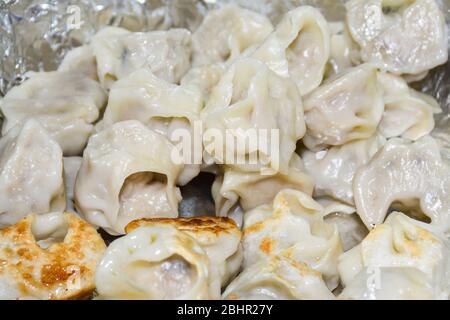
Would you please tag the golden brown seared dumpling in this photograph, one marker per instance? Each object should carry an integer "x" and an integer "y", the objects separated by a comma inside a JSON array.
[
  {"x": 184, "y": 258},
  {"x": 31, "y": 173},
  {"x": 127, "y": 173},
  {"x": 50, "y": 256},
  {"x": 293, "y": 226},
  {"x": 399, "y": 259},
  {"x": 66, "y": 103}
]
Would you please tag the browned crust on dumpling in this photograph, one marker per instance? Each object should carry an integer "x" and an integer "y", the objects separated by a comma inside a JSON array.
[
  {"x": 200, "y": 224},
  {"x": 48, "y": 273}
]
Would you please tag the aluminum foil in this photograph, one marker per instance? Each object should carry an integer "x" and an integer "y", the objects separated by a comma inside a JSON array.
[{"x": 36, "y": 34}]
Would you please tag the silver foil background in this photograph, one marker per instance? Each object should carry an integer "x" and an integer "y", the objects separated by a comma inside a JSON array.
[{"x": 36, "y": 34}]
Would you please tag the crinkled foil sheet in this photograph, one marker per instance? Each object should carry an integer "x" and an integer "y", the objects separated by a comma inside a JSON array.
[{"x": 36, "y": 34}]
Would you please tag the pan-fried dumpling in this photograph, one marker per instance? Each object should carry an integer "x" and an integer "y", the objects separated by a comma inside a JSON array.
[
  {"x": 333, "y": 169},
  {"x": 66, "y": 103},
  {"x": 293, "y": 226},
  {"x": 55, "y": 258},
  {"x": 249, "y": 103},
  {"x": 127, "y": 174},
  {"x": 219, "y": 237},
  {"x": 31, "y": 173},
  {"x": 419, "y": 253},
  {"x": 71, "y": 167},
  {"x": 166, "y": 108},
  {"x": 251, "y": 189},
  {"x": 189, "y": 258},
  {"x": 410, "y": 174},
  {"x": 410, "y": 37},
  {"x": 407, "y": 113},
  {"x": 278, "y": 278},
  {"x": 119, "y": 53},
  {"x": 345, "y": 108},
  {"x": 80, "y": 59},
  {"x": 299, "y": 48},
  {"x": 227, "y": 32}
]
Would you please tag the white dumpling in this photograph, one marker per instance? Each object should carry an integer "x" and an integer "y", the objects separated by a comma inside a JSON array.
[
  {"x": 80, "y": 59},
  {"x": 219, "y": 237},
  {"x": 351, "y": 229},
  {"x": 31, "y": 173},
  {"x": 278, "y": 278},
  {"x": 412, "y": 174},
  {"x": 71, "y": 167},
  {"x": 298, "y": 48},
  {"x": 344, "y": 108},
  {"x": 333, "y": 169},
  {"x": 205, "y": 77},
  {"x": 293, "y": 226},
  {"x": 227, "y": 32},
  {"x": 343, "y": 51},
  {"x": 248, "y": 190},
  {"x": 166, "y": 108},
  {"x": 170, "y": 259},
  {"x": 66, "y": 103},
  {"x": 407, "y": 245},
  {"x": 127, "y": 174},
  {"x": 55, "y": 258},
  {"x": 407, "y": 113},
  {"x": 250, "y": 98},
  {"x": 411, "y": 38},
  {"x": 119, "y": 53}
]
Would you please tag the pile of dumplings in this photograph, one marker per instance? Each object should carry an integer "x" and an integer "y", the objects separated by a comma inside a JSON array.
[{"x": 357, "y": 208}]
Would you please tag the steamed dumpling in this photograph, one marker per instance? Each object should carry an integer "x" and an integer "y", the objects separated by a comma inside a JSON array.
[
  {"x": 31, "y": 173},
  {"x": 333, "y": 169},
  {"x": 127, "y": 174},
  {"x": 418, "y": 253},
  {"x": 293, "y": 226},
  {"x": 405, "y": 174},
  {"x": 55, "y": 258},
  {"x": 251, "y": 104},
  {"x": 80, "y": 59},
  {"x": 189, "y": 258},
  {"x": 409, "y": 39},
  {"x": 119, "y": 53},
  {"x": 71, "y": 167},
  {"x": 298, "y": 48},
  {"x": 166, "y": 108},
  {"x": 344, "y": 108},
  {"x": 407, "y": 113},
  {"x": 66, "y": 103},
  {"x": 278, "y": 278},
  {"x": 227, "y": 32},
  {"x": 247, "y": 190}
]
